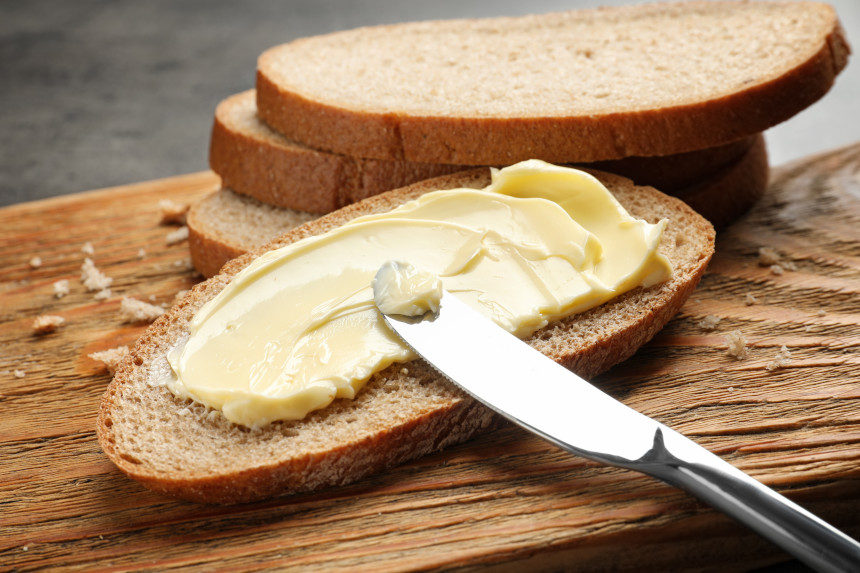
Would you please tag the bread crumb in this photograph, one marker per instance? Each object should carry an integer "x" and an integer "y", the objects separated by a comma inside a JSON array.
[
  {"x": 821, "y": 313},
  {"x": 809, "y": 328},
  {"x": 92, "y": 278},
  {"x": 61, "y": 288},
  {"x": 25, "y": 548},
  {"x": 776, "y": 269},
  {"x": 736, "y": 345},
  {"x": 134, "y": 310},
  {"x": 103, "y": 294},
  {"x": 88, "y": 249},
  {"x": 141, "y": 253},
  {"x": 767, "y": 257},
  {"x": 172, "y": 213},
  {"x": 404, "y": 371},
  {"x": 788, "y": 265},
  {"x": 151, "y": 298},
  {"x": 179, "y": 296},
  {"x": 782, "y": 359},
  {"x": 19, "y": 373},
  {"x": 35, "y": 262},
  {"x": 47, "y": 323},
  {"x": 177, "y": 236},
  {"x": 750, "y": 299},
  {"x": 111, "y": 357},
  {"x": 710, "y": 322}
]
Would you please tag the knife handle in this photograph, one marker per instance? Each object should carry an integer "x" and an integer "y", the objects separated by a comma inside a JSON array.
[{"x": 682, "y": 463}]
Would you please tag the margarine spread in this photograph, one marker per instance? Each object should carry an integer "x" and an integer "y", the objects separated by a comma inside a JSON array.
[
  {"x": 298, "y": 328},
  {"x": 400, "y": 288}
]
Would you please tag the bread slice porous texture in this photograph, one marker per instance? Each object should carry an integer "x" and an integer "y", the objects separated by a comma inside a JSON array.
[
  {"x": 579, "y": 86},
  {"x": 224, "y": 224},
  {"x": 183, "y": 449}
]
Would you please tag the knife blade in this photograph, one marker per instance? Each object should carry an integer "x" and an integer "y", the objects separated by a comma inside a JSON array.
[{"x": 518, "y": 382}]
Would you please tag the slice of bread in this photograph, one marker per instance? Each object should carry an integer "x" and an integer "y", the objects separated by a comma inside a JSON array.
[
  {"x": 730, "y": 192},
  {"x": 254, "y": 160},
  {"x": 580, "y": 86},
  {"x": 224, "y": 224},
  {"x": 179, "y": 448}
]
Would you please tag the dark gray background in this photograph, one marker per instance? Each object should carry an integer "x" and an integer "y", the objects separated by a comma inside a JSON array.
[{"x": 96, "y": 93}]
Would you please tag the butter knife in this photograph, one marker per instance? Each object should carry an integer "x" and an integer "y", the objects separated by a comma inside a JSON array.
[{"x": 531, "y": 390}]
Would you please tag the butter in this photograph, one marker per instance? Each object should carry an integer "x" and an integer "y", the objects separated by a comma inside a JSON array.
[
  {"x": 400, "y": 288},
  {"x": 298, "y": 328}
]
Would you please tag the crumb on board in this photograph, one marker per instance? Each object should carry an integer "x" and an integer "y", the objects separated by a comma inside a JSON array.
[
  {"x": 141, "y": 253},
  {"x": 781, "y": 360},
  {"x": 61, "y": 288},
  {"x": 736, "y": 345},
  {"x": 88, "y": 249},
  {"x": 750, "y": 299},
  {"x": 776, "y": 269},
  {"x": 821, "y": 312},
  {"x": 47, "y": 323},
  {"x": 19, "y": 373},
  {"x": 177, "y": 236},
  {"x": 111, "y": 357},
  {"x": 133, "y": 310},
  {"x": 709, "y": 323},
  {"x": 92, "y": 278},
  {"x": 35, "y": 262},
  {"x": 172, "y": 213},
  {"x": 103, "y": 294},
  {"x": 768, "y": 256}
]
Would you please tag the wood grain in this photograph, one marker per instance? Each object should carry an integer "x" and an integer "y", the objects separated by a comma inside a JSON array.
[{"x": 506, "y": 499}]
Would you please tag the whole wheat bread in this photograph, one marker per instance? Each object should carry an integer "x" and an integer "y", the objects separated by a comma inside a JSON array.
[
  {"x": 182, "y": 449},
  {"x": 224, "y": 224},
  {"x": 254, "y": 160},
  {"x": 580, "y": 86}
]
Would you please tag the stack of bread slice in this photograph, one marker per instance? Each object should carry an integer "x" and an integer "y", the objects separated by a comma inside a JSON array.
[{"x": 674, "y": 96}]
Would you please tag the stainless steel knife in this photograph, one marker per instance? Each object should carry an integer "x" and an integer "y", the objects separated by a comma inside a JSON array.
[{"x": 494, "y": 367}]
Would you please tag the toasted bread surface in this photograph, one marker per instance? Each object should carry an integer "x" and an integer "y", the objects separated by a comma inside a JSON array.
[
  {"x": 182, "y": 449},
  {"x": 580, "y": 86}
]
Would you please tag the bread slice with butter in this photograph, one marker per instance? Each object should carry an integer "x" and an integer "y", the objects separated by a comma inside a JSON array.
[
  {"x": 225, "y": 224},
  {"x": 254, "y": 160},
  {"x": 569, "y": 87},
  {"x": 182, "y": 449}
]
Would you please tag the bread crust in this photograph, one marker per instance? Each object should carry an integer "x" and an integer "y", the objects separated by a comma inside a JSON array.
[
  {"x": 255, "y": 161},
  {"x": 733, "y": 190},
  {"x": 588, "y": 343},
  {"x": 725, "y": 194},
  {"x": 562, "y": 139},
  {"x": 267, "y": 166}
]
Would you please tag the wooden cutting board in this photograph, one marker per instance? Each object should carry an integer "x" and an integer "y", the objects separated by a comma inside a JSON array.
[{"x": 506, "y": 498}]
